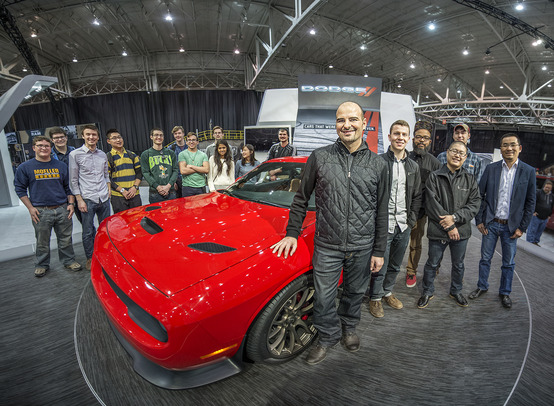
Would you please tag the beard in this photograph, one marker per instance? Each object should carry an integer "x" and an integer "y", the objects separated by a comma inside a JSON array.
[{"x": 422, "y": 151}]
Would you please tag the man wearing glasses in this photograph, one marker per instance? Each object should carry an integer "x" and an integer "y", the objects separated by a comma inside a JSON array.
[
  {"x": 125, "y": 174},
  {"x": 508, "y": 190},
  {"x": 159, "y": 168},
  {"x": 452, "y": 202},
  {"x": 60, "y": 149},
  {"x": 50, "y": 204},
  {"x": 427, "y": 164},
  {"x": 193, "y": 165}
]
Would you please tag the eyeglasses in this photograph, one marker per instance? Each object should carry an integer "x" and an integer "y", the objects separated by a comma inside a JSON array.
[
  {"x": 157, "y": 135},
  {"x": 116, "y": 137},
  {"x": 512, "y": 145},
  {"x": 58, "y": 138},
  {"x": 193, "y": 140},
  {"x": 456, "y": 152},
  {"x": 42, "y": 146},
  {"x": 420, "y": 137}
]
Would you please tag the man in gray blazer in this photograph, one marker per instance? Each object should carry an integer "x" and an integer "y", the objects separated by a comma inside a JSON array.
[{"x": 508, "y": 201}]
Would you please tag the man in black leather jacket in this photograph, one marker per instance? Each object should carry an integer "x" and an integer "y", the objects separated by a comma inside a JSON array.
[{"x": 351, "y": 197}]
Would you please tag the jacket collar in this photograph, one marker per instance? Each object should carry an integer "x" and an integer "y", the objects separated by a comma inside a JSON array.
[{"x": 341, "y": 145}]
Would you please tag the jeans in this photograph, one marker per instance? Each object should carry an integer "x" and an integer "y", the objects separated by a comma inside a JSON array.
[
  {"x": 382, "y": 282},
  {"x": 415, "y": 245},
  {"x": 157, "y": 198},
  {"x": 102, "y": 211},
  {"x": 119, "y": 203},
  {"x": 535, "y": 229},
  {"x": 327, "y": 265},
  {"x": 193, "y": 191},
  {"x": 457, "y": 255},
  {"x": 63, "y": 227},
  {"x": 509, "y": 247}
]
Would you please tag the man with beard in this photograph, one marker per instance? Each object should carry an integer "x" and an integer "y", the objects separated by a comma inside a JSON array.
[
  {"x": 427, "y": 164},
  {"x": 283, "y": 147}
]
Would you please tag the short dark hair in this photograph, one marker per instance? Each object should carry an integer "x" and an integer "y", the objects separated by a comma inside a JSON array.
[
  {"x": 111, "y": 131},
  {"x": 177, "y": 128},
  {"x": 510, "y": 135},
  {"x": 41, "y": 138},
  {"x": 89, "y": 127},
  {"x": 191, "y": 134},
  {"x": 547, "y": 182},
  {"x": 56, "y": 130},
  {"x": 155, "y": 129},
  {"x": 400, "y": 123},
  {"x": 457, "y": 143},
  {"x": 217, "y": 127}
]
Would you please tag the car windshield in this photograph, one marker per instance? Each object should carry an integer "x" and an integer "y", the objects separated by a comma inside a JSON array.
[{"x": 273, "y": 183}]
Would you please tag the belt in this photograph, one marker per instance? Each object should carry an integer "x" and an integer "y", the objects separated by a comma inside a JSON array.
[
  {"x": 500, "y": 221},
  {"x": 49, "y": 207}
]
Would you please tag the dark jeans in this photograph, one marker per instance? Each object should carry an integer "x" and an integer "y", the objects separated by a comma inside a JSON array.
[
  {"x": 535, "y": 229},
  {"x": 193, "y": 191},
  {"x": 157, "y": 198},
  {"x": 457, "y": 255},
  {"x": 416, "y": 236},
  {"x": 382, "y": 282},
  {"x": 63, "y": 227},
  {"x": 509, "y": 247},
  {"x": 102, "y": 211},
  {"x": 327, "y": 265},
  {"x": 119, "y": 203},
  {"x": 179, "y": 190}
]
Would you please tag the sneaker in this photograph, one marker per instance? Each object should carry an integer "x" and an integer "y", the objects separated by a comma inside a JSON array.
[
  {"x": 410, "y": 281},
  {"x": 40, "y": 271},
  {"x": 376, "y": 308},
  {"x": 460, "y": 299},
  {"x": 393, "y": 302},
  {"x": 89, "y": 261},
  {"x": 317, "y": 354},
  {"x": 74, "y": 266},
  {"x": 350, "y": 341}
]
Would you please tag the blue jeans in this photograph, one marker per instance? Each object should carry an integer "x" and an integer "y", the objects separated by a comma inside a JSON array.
[
  {"x": 535, "y": 229},
  {"x": 102, "y": 211},
  {"x": 327, "y": 265},
  {"x": 509, "y": 247},
  {"x": 382, "y": 282},
  {"x": 193, "y": 191},
  {"x": 457, "y": 255},
  {"x": 157, "y": 198},
  {"x": 63, "y": 227}
]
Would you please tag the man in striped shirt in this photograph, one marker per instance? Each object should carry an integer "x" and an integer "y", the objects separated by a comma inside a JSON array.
[{"x": 125, "y": 174}]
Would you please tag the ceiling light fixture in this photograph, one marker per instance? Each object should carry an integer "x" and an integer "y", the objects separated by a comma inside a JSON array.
[
  {"x": 237, "y": 51},
  {"x": 331, "y": 66},
  {"x": 33, "y": 34},
  {"x": 519, "y": 6},
  {"x": 537, "y": 42},
  {"x": 181, "y": 49},
  {"x": 544, "y": 67},
  {"x": 312, "y": 31},
  {"x": 501, "y": 87},
  {"x": 124, "y": 53},
  {"x": 363, "y": 47},
  {"x": 74, "y": 59},
  {"x": 487, "y": 72},
  {"x": 465, "y": 51},
  {"x": 412, "y": 65},
  {"x": 431, "y": 26},
  {"x": 168, "y": 16},
  {"x": 399, "y": 85},
  {"x": 549, "y": 85},
  {"x": 96, "y": 22},
  {"x": 24, "y": 69},
  {"x": 439, "y": 80},
  {"x": 366, "y": 75}
]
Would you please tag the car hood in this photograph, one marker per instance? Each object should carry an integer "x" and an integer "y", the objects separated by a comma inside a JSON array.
[{"x": 176, "y": 244}]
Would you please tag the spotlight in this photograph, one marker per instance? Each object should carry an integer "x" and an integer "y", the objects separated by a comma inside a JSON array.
[
  {"x": 363, "y": 47},
  {"x": 33, "y": 34},
  {"x": 331, "y": 66},
  {"x": 24, "y": 69},
  {"x": 365, "y": 75},
  {"x": 439, "y": 80},
  {"x": 181, "y": 49},
  {"x": 412, "y": 66},
  {"x": 487, "y": 72},
  {"x": 465, "y": 51},
  {"x": 544, "y": 67},
  {"x": 75, "y": 59},
  {"x": 124, "y": 53},
  {"x": 501, "y": 87},
  {"x": 431, "y": 26},
  {"x": 96, "y": 22},
  {"x": 168, "y": 17},
  {"x": 237, "y": 51},
  {"x": 519, "y": 6},
  {"x": 312, "y": 31}
]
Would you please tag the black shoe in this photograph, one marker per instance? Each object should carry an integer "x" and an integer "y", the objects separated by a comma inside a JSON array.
[
  {"x": 424, "y": 301},
  {"x": 317, "y": 354},
  {"x": 460, "y": 299},
  {"x": 350, "y": 341},
  {"x": 506, "y": 301},
  {"x": 476, "y": 293}
]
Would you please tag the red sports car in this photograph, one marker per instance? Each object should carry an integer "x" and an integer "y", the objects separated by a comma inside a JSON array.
[{"x": 193, "y": 289}]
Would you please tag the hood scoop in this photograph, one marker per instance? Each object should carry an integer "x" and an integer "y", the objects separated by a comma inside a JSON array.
[
  {"x": 150, "y": 226},
  {"x": 211, "y": 247}
]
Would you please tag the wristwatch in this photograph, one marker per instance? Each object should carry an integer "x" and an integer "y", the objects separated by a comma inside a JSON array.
[
  {"x": 136, "y": 187},
  {"x": 454, "y": 218},
  {"x": 71, "y": 204},
  {"x": 122, "y": 190}
]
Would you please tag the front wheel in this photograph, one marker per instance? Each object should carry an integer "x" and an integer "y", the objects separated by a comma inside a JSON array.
[{"x": 285, "y": 327}]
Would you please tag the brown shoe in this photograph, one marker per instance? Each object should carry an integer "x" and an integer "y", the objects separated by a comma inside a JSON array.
[
  {"x": 40, "y": 271},
  {"x": 74, "y": 266},
  {"x": 89, "y": 261},
  {"x": 317, "y": 354},
  {"x": 376, "y": 308},
  {"x": 393, "y": 302},
  {"x": 351, "y": 341}
]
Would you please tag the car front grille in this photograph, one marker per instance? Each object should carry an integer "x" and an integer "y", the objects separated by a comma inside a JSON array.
[{"x": 142, "y": 318}]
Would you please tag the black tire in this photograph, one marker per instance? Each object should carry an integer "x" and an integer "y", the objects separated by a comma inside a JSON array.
[{"x": 284, "y": 328}]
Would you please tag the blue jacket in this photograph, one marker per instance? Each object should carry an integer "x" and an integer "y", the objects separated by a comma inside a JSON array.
[{"x": 522, "y": 201}]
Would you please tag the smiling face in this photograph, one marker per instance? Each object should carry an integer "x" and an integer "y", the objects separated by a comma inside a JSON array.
[
  {"x": 350, "y": 125},
  {"x": 42, "y": 150},
  {"x": 179, "y": 135},
  {"x": 221, "y": 150},
  {"x": 60, "y": 140},
  {"x": 399, "y": 137},
  {"x": 115, "y": 140},
  {"x": 510, "y": 149},
  {"x": 456, "y": 155},
  {"x": 218, "y": 134},
  {"x": 246, "y": 153},
  {"x": 91, "y": 138},
  {"x": 283, "y": 137},
  {"x": 192, "y": 142},
  {"x": 157, "y": 138},
  {"x": 422, "y": 139},
  {"x": 461, "y": 134}
]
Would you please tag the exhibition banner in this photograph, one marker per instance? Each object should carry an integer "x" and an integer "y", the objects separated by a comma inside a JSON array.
[{"x": 318, "y": 99}]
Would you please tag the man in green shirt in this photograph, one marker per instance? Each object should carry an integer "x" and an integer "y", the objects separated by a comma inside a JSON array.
[
  {"x": 193, "y": 165},
  {"x": 159, "y": 168}
]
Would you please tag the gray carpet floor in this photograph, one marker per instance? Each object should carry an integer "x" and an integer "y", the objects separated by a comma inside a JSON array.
[{"x": 56, "y": 348}]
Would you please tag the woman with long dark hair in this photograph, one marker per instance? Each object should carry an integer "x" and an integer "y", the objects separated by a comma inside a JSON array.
[
  {"x": 247, "y": 163},
  {"x": 222, "y": 167}
]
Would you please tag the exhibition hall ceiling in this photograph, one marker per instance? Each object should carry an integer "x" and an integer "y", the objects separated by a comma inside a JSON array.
[{"x": 479, "y": 61}]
